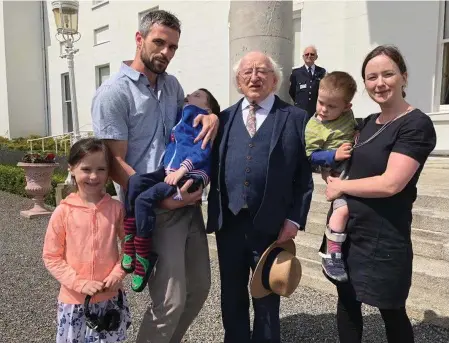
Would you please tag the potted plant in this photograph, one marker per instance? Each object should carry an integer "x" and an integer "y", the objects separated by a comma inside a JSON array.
[{"x": 38, "y": 174}]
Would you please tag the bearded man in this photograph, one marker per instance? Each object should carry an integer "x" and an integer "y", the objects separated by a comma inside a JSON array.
[{"x": 134, "y": 112}]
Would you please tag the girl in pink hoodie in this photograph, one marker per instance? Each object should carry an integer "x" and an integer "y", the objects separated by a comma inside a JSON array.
[{"x": 81, "y": 250}]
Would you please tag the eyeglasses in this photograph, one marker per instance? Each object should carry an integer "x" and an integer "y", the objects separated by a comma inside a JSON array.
[
  {"x": 309, "y": 54},
  {"x": 260, "y": 72}
]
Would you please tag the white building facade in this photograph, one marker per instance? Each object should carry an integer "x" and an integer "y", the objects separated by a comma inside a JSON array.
[{"x": 34, "y": 93}]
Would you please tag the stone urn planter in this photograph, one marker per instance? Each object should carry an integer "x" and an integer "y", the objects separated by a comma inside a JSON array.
[{"x": 38, "y": 184}]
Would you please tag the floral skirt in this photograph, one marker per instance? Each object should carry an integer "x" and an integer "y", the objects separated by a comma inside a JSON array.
[{"x": 72, "y": 326}]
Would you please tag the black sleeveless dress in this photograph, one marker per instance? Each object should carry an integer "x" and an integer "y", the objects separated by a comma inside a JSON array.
[{"x": 378, "y": 250}]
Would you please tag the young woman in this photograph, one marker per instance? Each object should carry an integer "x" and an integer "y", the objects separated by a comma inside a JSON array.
[{"x": 386, "y": 163}]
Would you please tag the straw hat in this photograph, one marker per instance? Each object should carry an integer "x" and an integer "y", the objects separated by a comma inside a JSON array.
[{"x": 278, "y": 271}]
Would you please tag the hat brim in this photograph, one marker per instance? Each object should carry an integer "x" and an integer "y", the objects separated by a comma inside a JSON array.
[{"x": 256, "y": 287}]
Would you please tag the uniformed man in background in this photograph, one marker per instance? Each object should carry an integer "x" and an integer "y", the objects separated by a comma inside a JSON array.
[{"x": 304, "y": 81}]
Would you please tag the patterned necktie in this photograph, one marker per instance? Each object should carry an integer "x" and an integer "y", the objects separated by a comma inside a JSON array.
[
  {"x": 310, "y": 72},
  {"x": 251, "y": 120}
]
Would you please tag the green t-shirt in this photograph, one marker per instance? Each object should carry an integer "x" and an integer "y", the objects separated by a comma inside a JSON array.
[{"x": 329, "y": 135}]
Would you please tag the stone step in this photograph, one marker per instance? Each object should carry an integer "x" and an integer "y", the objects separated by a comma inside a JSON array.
[
  {"x": 430, "y": 196},
  {"x": 423, "y": 218},
  {"x": 430, "y": 220},
  {"x": 437, "y": 163},
  {"x": 421, "y": 304},
  {"x": 428, "y": 274},
  {"x": 425, "y": 243}
]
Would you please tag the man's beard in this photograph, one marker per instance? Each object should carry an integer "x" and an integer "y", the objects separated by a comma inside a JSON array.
[{"x": 153, "y": 67}]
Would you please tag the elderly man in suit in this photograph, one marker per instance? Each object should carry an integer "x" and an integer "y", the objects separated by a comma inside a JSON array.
[
  {"x": 261, "y": 188},
  {"x": 304, "y": 81}
]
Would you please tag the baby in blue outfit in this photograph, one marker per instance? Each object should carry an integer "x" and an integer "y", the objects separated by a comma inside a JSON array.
[{"x": 183, "y": 160}]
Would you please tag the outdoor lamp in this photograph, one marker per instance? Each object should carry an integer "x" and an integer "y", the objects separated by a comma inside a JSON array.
[{"x": 66, "y": 16}]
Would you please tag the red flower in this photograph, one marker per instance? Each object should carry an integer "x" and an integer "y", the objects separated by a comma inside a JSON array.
[
  {"x": 37, "y": 158},
  {"x": 50, "y": 157}
]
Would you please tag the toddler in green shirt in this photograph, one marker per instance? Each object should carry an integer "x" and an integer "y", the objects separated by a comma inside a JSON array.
[{"x": 329, "y": 137}]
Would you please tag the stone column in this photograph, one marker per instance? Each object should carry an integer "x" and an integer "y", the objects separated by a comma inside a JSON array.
[{"x": 265, "y": 26}]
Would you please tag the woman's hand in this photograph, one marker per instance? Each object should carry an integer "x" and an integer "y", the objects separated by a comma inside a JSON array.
[
  {"x": 333, "y": 189},
  {"x": 210, "y": 128}
]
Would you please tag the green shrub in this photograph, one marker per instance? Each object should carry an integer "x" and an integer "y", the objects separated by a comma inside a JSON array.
[{"x": 12, "y": 180}]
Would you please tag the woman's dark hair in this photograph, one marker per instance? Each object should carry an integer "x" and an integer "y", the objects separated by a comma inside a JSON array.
[
  {"x": 390, "y": 51},
  {"x": 213, "y": 103},
  {"x": 87, "y": 146}
]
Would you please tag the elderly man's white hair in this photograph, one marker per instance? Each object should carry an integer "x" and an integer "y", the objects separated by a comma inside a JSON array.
[
  {"x": 311, "y": 47},
  {"x": 276, "y": 69}
]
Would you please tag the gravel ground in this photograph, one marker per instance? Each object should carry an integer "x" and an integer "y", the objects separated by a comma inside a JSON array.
[{"x": 28, "y": 296}]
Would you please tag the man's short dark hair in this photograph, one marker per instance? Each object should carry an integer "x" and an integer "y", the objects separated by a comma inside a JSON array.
[{"x": 160, "y": 17}]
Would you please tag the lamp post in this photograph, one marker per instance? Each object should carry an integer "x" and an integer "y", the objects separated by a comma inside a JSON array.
[{"x": 66, "y": 18}]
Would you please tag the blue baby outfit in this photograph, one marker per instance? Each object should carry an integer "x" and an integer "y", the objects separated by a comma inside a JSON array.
[{"x": 181, "y": 151}]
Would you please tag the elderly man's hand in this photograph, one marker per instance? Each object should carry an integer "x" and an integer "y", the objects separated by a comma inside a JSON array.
[
  {"x": 288, "y": 231},
  {"x": 209, "y": 131}
]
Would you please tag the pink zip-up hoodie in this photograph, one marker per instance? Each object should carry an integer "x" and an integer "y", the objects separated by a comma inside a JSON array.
[{"x": 81, "y": 244}]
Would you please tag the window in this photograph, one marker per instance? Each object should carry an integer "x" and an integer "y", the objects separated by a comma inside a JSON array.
[
  {"x": 444, "y": 95},
  {"x": 101, "y": 35},
  {"x": 66, "y": 103},
  {"x": 297, "y": 53},
  {"x": 144, "y": 13},
  {"x": 102, "y": 74},
  {"x": 99, "y": 3}
]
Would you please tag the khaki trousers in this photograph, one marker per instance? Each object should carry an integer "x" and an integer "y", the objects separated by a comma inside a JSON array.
[{"x": 181, "y": 280}]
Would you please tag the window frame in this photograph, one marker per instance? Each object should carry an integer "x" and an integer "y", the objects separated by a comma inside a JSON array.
[
  {"x": 96, "y": 4},
  {"x": 98, "y": 75},
  {"x": 437, "y": 105},
  {"x": 95, "y": 35},
  {"x": 65, "y": 93},
  {"x": 297, "y": 14}
]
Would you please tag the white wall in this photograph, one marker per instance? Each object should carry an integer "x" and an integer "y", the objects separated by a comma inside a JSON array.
[
  {"x": 24, "y": 67},
  {"x": 4, "y": 112},
  {"x": 201, "y": 60},
  {"x": 345, "y": 31}
]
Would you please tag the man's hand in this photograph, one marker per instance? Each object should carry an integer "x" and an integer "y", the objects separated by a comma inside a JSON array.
[
  {"x": 112, "y": 283},
  {"x": 288, "y": 231},
  {"x": 343, "y": 152},
  {"x": 92, "y": 287},
  {"x": 174, "y": 177},
  {"x": 187, "y": 198},
  {"x": 209, "y": 131}
]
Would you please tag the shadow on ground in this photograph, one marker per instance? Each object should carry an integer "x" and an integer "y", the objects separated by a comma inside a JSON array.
[{"x": 322, "y": 328}]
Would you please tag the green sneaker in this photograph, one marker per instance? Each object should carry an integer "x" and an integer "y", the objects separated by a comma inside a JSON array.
[
  {"x": 144, "y": 268},
  {"x": 127, "y": 263}
]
